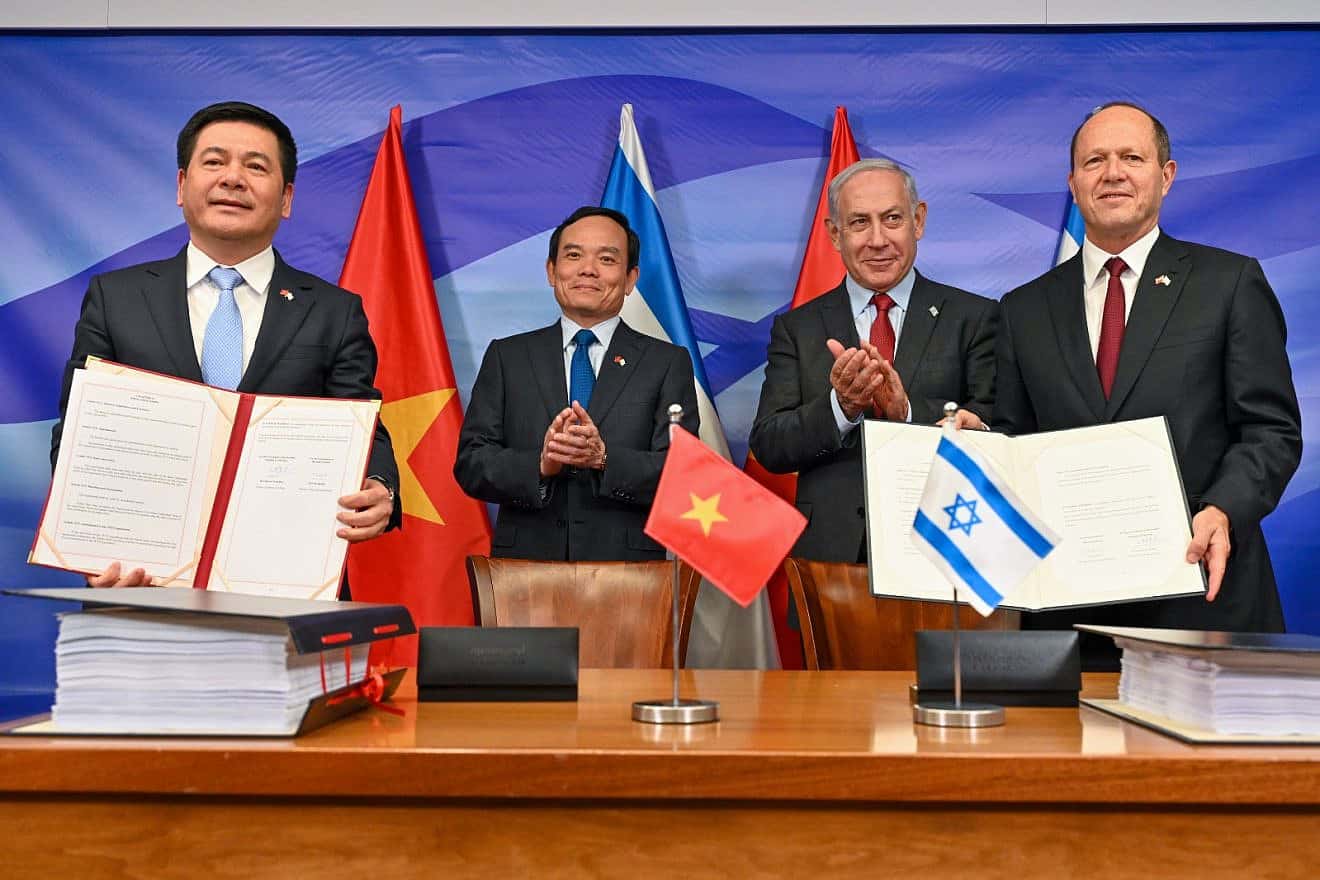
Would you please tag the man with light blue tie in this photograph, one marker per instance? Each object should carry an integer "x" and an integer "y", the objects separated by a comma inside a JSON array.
[
  {"x": 227, "y": 311},
  {"x": 887, "y": 343},
  {"x": 568, "y": 425}
]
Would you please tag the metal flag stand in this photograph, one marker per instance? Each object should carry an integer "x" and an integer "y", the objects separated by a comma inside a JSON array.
[
  {"x": 675, "y": 710},
  {"x": 943, "y": 713}
]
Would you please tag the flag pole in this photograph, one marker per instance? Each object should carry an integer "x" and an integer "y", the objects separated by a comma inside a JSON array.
[
  {"x": 942, "y": 713},
  {"x": 675, "y": 710}
]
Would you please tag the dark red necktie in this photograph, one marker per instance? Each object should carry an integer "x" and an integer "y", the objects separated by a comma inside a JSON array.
[
  {"x": 1111, "y": 326},
  {"x": 882, "y": 332}
]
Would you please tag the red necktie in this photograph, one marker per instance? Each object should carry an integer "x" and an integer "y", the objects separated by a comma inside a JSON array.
[
  {"x": 882, "y": 332},
  {"x": 1111, "y": 326}
]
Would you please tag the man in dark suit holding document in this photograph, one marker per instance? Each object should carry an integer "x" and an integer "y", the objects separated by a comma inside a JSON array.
[
  {"x": 228, "y": 311},
  {"x": 1139, "y": 324}
]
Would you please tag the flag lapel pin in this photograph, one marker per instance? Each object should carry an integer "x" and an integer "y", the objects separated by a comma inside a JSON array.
[
  {"x": 1163, "y": 281},
  {"x": 287, "y": 294},
  {"x": 621, "y": 360}
]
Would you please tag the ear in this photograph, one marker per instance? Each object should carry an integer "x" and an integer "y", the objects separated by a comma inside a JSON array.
[
  {"x": 550, "y": 272},
  {"x": 919, "y": 221},
  {"x": 1072, "y": 187},
  {"x": 178, "y": 196},
  {"x": 633, "y": 275},
  {"x": 1169, "y": 171},
  {"x": 833, "y": 230},
  {"x": 286, "y": 201}
]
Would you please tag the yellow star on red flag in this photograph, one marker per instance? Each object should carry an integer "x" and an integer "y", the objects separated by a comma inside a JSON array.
[
  {"x": 706, "y": 511},
  {"x": 408, "y": 420}
]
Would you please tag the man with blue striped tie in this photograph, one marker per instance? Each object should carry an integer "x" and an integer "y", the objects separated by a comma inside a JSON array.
[
  {"x": 226, "y": 310},
  {"x": 568, "y": 425}
]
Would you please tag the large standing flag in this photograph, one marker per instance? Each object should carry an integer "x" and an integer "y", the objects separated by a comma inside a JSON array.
[
  {"x": 822, "y": 270},
  {"x": 722, "y": 635},
  {"x": 422, "y": 564},
  {"x": 1070, "y": 240},
  {"x": 974, "y": 529},
  {"x": 719, "y": 520}
]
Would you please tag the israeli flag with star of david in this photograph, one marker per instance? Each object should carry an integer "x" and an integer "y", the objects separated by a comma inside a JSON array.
[{"x": 974, "y": 529}]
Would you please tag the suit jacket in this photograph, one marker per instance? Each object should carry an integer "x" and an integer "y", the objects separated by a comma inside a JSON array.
[
  {"x": 315, "y": 344},
  {"x": 942, "y": 355},
  {"x": 1205, "y": 350},
  {"x": 585, "y": 514}
]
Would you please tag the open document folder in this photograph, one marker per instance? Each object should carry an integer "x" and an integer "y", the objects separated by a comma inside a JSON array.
[
  {"x": 1112, "y": 493},
  {"x": 203, "y": 487}
]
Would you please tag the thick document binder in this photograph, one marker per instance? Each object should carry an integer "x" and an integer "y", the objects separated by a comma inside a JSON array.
[
  {"x": 203, "y": 487},
  {"x": 1217, "y": 688},
  {"x": 497, "y": 664},
  {"x": 329, "y": 630},
  {"x": 1005, "y": 668}
]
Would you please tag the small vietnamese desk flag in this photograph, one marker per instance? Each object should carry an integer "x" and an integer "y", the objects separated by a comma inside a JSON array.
[
  {"x": 975, "y": 530},
  {"x": 719, "y": 520}
]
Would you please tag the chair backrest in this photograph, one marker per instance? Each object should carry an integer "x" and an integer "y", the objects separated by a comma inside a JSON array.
[
  {"x": 845, "y": 627},
  {"x": 623, "y": 610}
]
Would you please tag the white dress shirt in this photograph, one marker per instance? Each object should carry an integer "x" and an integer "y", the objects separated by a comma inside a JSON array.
[
  {"x": 1095, "y": 280},
  {"x": 203, "y": 295}
]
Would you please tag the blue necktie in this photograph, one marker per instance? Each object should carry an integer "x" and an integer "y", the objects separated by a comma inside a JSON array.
[
  {"x": 222, "y": 346},
  {"x": 581, "y": 378}
]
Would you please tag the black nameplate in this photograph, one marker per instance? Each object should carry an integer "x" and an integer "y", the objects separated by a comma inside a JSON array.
[
  {"x": 497, "y": 664},
  {"x": 1008, "y": 668}
]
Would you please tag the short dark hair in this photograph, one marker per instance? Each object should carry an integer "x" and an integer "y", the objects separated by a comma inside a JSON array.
[
  {"x": 1163, "y": 149},
  {"x": 634, "y": 243},
  {"x": 239, "y": 111}
]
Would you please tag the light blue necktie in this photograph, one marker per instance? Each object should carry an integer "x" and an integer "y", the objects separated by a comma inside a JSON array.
[
  {"x": 581, "y": 378},
  {"x": 222, "y": 346}
]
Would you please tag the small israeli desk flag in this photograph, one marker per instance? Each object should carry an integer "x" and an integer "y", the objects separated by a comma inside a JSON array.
[{"x": 974, "y": 529}]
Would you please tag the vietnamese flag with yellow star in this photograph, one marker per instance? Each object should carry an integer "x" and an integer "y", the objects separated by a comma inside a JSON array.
[
  {"x": 422, "y": 564},
  {"x": 719, "y": 520}
]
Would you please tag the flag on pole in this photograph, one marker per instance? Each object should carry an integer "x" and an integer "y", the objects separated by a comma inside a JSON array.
[
  {"x": 719, "y": 520},
  {"x": 422, "y": 564},
  {"x": 822, "y": 270},
  {"x": 1070, "y": 240},
  {"x": 974, "y": 529},
  {"x": 722, "y": 635},
  {"x": 656, "y": 306}
]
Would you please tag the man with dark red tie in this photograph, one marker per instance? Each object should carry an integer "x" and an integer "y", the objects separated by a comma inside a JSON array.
[
  {"x": 1139, "y": 324},
  {"x": 886, "y": 343}
]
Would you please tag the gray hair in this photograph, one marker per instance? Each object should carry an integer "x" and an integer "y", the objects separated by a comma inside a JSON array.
[{"x": 847, "y": 174}]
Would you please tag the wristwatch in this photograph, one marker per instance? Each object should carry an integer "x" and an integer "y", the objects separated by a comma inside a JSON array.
[{"x": 384, "y": 482}]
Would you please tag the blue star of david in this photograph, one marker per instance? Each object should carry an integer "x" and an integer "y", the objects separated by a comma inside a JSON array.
[{"x": 961, "y": 504}]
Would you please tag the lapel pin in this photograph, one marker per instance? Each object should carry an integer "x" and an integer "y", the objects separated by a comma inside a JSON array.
[
  {"x": 287, "y": 294},
  {"x": 621, "y": 360},
  {"x": 934, "y": 312},
  {"x": 1163, "y": 281}
]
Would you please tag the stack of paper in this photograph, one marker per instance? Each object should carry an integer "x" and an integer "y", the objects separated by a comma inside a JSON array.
[
  {"x": 1255, "y": 693},
  {"x": 129, "y": 671}
]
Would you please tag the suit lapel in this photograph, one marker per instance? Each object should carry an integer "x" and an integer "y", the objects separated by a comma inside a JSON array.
[
  {"x": 166, "y": 295},
  {"x": 280, "y": 320},
  {"x": 1068, "y": 313},
  {"x": 621, "y": 362},
  {"x": 918, "y": 325},
  {"x": 545, "y": 353},
  {"x": 836, "y": 314},
  {"x": 1151, "y": 305}
]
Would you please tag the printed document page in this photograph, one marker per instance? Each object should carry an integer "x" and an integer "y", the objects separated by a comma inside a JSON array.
[{"x": 136, "y": 475}]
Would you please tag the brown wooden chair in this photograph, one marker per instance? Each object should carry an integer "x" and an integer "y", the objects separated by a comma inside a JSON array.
[
  {"x": 845, "y": 627},
  {"x": 623, "y": 610}
]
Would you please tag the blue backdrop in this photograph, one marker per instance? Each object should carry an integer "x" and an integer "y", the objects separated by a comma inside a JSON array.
[{"x": 505, "y": 134}]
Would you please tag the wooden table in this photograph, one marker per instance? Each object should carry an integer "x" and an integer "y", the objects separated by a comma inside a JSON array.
[{"x": 807, "y": 774}]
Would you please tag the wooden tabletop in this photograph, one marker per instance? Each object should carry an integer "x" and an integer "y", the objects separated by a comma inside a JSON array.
[{"x": 823, "y": 736}]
